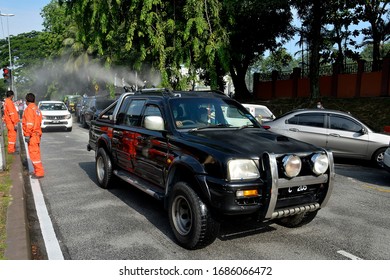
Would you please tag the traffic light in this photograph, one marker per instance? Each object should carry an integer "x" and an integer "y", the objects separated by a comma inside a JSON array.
[{"x": 7, "y": 75}]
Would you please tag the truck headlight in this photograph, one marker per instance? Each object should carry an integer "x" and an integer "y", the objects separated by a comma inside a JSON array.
[
  {"x": 292, "y": 165},
  {"x": 68, "y": 116},
  {"x": 242, "y": 169},
  {"x": 319, "y": 163}
]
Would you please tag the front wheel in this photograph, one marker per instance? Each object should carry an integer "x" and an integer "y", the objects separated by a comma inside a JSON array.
[
  {"x": 190, "y": 218},
  {"x": 377, "y": 158},
  {"x": 297, "y": 220},
  {"x": 103, "y": 169}
]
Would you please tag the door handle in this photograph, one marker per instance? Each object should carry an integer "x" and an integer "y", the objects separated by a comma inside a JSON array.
[
  {"x": 334, "y": 135},
  {"x": 294, "y": 129}
]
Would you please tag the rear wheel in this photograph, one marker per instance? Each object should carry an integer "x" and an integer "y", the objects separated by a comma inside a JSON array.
[
  {"x": 104, "y": 169},
  {"x": 190, "y": 218},
  {"x": 297, "y": 220}
]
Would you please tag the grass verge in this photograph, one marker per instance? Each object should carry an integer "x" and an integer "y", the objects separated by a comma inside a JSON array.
[{"x": 5, "y": 200}]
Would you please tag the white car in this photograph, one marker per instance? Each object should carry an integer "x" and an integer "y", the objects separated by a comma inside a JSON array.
[
  {"x": 260, "y": 112},
  {"x": 55, "y": 114},
  {"x": 386, "y": 159}
]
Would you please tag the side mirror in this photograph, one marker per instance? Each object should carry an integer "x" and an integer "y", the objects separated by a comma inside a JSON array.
[
  {"x": 363, "y": 130},
  {"x": 154, "y": 123}
]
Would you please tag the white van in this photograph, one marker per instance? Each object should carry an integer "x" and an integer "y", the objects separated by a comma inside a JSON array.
[{"x": 260, "y": 112}]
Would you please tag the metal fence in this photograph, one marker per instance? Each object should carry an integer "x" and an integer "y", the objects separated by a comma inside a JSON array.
[{"x": 327, "y": 70}]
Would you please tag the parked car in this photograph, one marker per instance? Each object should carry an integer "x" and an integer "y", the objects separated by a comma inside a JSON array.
[
  {"x": 55, "y": 114},
  {"x": 92, "y": 108},
  {"x": 260, "y": 112},
  {"x": 340, "y": 132},
  {"x": 80, "y": 105},
  {"x": 208, "y": 164},
  {"x": 386, "y": 159}
]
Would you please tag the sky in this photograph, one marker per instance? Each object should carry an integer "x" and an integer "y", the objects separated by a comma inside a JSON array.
[{"x": 27, "y": 16}]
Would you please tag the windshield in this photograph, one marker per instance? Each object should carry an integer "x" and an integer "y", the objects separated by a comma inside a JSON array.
[
  {"x": 192, "y": 113},
  {"x": 52, "y": 107},
  {"x": 263, "y": 112}
]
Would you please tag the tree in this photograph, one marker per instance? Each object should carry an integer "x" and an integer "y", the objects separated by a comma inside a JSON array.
[
  {"x": 367, "y": 52},
  {"x": 341, "y": 15},
  {"x": 279, "y": 60},
  {"x": 253, "y": 30},
  {"x": 28, "y": 51},
  {"x": 373, "y": 11},
  {"x": 314, "y": 16},
  {"x": 212, "y": 36},
  {"x": 163, "y": 34}
]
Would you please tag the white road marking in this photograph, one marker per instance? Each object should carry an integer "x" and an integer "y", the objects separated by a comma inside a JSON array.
[
  {"x": 53, "y": 249},
  {"x": 348, "y": 255}
]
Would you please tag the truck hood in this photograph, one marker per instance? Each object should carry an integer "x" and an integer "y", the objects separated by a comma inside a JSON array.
[{"x": 247, "y": 141}]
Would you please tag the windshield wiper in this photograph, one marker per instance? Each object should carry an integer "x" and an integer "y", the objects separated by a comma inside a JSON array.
[
  {"x": 245, "y": 126},
  {"x": 211, "y": 126}
]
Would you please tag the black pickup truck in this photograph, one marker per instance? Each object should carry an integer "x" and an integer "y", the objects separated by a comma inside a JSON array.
[{"x": 208, "y": 159}]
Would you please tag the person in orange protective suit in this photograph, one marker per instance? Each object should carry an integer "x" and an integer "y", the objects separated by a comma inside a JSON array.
[
  {"x": 11, "y": 119},
  {"x": 31, "y": 122}
]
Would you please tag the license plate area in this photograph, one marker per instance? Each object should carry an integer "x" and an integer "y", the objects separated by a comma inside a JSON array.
[{"x": 295, "y": 196}]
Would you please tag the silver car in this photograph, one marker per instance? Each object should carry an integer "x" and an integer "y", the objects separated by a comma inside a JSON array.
[
  {"x": 386, "y": 159},
  {"x": 340, "y": 132}
]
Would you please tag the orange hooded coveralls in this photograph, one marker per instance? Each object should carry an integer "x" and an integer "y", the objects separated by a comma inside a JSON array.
[
  {"x": 11, "y": 118},
  {"x": 32, "y": 118}
]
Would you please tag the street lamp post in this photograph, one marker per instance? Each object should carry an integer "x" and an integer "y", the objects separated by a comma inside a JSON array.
[
  {"x": 2, "y": 150},
  {"x": 9, "y": 48}
]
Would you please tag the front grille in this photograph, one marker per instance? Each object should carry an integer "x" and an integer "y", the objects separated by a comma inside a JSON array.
[
  {"x": 55, "y": 118},
  {"x": 55, "y": 123}
]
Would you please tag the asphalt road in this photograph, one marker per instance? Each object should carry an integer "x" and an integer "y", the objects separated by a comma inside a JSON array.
[{"x": 124, "y": 223}]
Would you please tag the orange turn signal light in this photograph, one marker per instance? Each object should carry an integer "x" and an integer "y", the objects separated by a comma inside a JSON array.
[{"x": 247, "y": 193}]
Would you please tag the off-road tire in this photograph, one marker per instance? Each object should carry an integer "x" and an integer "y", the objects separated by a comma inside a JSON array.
[
  {"x": 190, "y": 218},
  {"x": 104, "y": 169}
]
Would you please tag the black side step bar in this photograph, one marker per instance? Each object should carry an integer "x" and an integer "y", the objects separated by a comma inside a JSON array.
[{"x": 140, "y": 183}]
